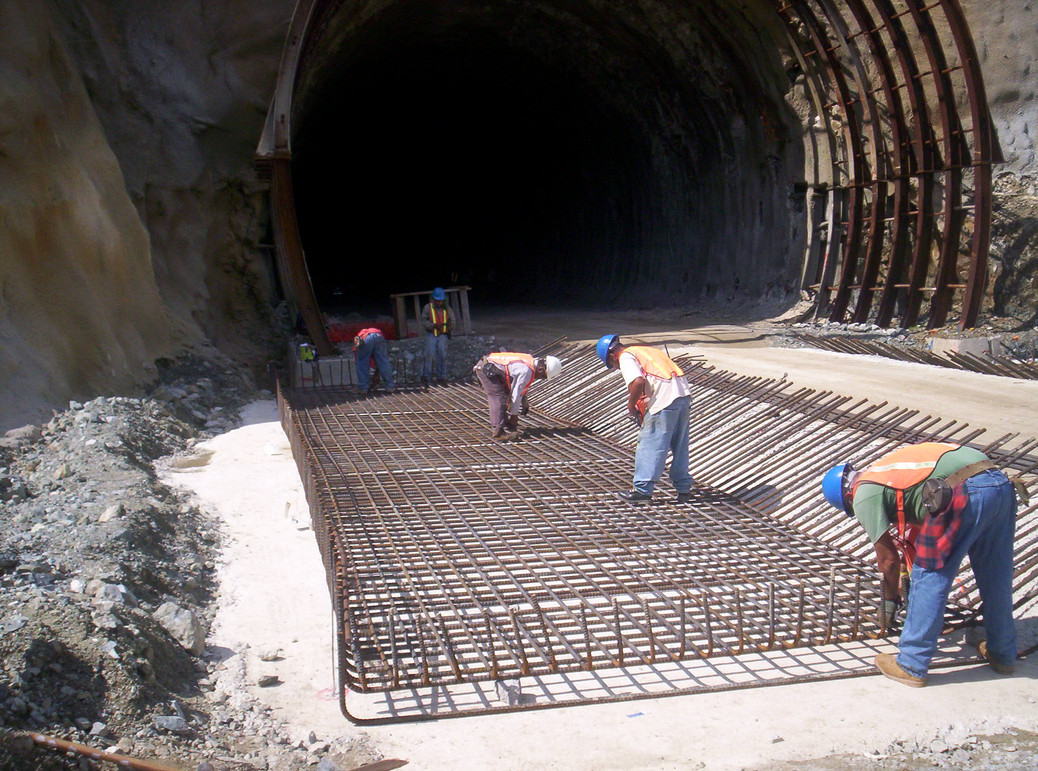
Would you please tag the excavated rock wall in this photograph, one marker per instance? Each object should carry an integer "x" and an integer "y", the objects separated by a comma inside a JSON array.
[{"x": 80, "y": 309}]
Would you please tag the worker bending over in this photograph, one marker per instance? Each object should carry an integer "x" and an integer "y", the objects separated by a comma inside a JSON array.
[
  {"x": 438, "y": 323},
  {"x": 658, "y": 400},
  {"x": 369, "y": 345},
  {"x": 925, "y": 507},
  {"x": 506, "y": 377}
]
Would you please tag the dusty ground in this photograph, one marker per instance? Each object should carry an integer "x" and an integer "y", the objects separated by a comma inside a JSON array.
[{"x": 966, "y": 718}]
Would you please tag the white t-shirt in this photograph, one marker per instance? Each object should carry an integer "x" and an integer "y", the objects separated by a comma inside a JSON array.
[
  {"x": 661, "y": 392},
  {"x": 520, "y": 376}
]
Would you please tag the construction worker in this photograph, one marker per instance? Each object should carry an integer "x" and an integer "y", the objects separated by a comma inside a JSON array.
[
  {"x": 438, "y": 323},
  {"x": 506, "y": 377},
  {"x": 658, "y": 400},
  {"x": 925, "y": 507},
  {"x": 369, "y": 345}
]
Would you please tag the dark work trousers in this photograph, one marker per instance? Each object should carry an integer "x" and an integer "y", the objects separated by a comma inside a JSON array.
[{"x": 497, "y": 398}]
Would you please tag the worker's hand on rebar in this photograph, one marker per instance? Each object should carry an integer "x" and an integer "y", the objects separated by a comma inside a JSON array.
[{"x": 887, "y": 613}]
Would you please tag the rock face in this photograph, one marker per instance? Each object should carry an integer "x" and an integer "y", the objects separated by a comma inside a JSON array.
[
  {"x": 80, "y": 311},
  {"x": 133, "y": 227},
  {"x": 131, "y": 220}
]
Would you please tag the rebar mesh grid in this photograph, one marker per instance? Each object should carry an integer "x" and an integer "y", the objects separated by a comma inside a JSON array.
[
  {"x": 461, "y": 559},
  {"x": 988, "y": 365},
  {"x": 453, "y": 559}
]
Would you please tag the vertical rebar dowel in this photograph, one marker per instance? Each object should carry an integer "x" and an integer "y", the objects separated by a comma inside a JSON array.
[
  {"x": 448, "y": 650},
  {"x": 358, "y": 662},
  {"x": 684, "y": 631},
  {"x": 589, "y": 661},
  {"x": 393, "y": 656},
  {"x": 524, "y": 665},
  {"x": 619, "y": 633},
  {"x": 423, "y": 652},
  {"x": 709, "y": 626},
  {"x": 771, "y": 615},
  {"x": 738, "y": 620},
  {"x": 648, "y": 628},
  {"x": 553, "y": 665},
  {"x": 857, "y": 607},
  {"x": 800, "y": 616},
  {"x": 830, "y": 613},
  {"x": 491, "y": 651}
]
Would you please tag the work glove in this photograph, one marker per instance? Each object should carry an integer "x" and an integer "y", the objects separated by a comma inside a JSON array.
[{"x": 887, "y": 612}]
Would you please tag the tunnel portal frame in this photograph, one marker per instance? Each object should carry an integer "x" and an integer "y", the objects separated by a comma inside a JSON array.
[{"x": 894, "y": 182}]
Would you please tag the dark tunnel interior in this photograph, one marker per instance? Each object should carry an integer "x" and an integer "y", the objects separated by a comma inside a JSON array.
[{"x": 540, "y": 158}]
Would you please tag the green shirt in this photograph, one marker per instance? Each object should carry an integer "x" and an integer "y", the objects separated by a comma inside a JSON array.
[{"x": 875, "y": 505}]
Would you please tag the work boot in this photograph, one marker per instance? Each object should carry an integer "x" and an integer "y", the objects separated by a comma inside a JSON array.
[
  {"x": 887, "y": 664},
  {"x": 1002, "y": 669},
  {"x": 634, "y": 496},
  {"x": 685, "y": 497}
]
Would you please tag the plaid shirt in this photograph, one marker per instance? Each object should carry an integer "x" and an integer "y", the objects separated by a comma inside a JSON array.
[{"x": 937, "y": 536}]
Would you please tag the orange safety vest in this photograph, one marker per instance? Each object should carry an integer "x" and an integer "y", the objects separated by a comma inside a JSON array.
[
  {"x": 437, "y": 322},
  {"x": 901, "y": 469},
  {"x": 654, "y": 362},
  {"x": 503, "y": 359}
]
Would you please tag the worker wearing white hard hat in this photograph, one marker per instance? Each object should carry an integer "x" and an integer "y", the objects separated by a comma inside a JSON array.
[{"x": 506, "y": 377}]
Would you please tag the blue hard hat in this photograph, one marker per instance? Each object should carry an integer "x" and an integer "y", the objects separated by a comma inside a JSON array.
[
  {"x": 834, "y": 486},
  {"x": 605, "y": 344},
  {"x": 439, "y": 294}
]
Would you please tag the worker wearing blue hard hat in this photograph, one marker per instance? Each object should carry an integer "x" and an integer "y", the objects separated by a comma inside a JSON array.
[
  {"x": 438, "y": 325},
  {"x": 925, "y": 507},
  {"x": 659, "y": 401}
]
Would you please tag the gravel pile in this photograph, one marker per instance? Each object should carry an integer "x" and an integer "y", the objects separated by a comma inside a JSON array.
[{"x": 107, "y": 579}]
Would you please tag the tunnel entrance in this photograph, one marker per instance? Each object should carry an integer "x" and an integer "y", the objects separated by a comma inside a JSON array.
[
  {"x": 462, "y": 165},
  {"x": 543, "y": 154},
  {"x": 654, "y": 153}
]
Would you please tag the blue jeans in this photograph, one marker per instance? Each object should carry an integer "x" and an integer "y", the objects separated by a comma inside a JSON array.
[
  {"x": 435, "y": 365},
  {"x": 373, "y": 346},
  {"x": 986, "y": 535},
  {"x": 666, "y": 431}
]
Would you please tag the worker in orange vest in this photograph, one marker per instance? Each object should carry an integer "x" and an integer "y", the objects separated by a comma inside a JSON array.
[
  {"x": 659, "y": 402},
  {"x": 506, "y": 377},
  {"x": 438, "y": 323},
  {"x": 369, "y": 345},
  {"x": 925, "y": 507}
]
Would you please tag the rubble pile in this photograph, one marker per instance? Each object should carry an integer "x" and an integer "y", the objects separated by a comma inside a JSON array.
[{"x": 107, "y": 578}]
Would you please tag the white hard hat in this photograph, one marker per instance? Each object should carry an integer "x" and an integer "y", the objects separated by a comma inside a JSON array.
[{"x": 552, "y": 367}]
